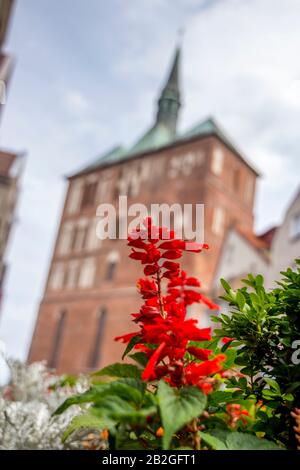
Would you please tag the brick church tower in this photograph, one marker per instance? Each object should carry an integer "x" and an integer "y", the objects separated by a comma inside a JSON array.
[{"x": 90, "y": 291}]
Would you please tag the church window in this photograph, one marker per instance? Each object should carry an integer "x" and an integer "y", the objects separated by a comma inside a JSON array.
[
  {"x": 87, "y": 273},
  {"x": 57, "y": 276},
  {"x": 89, "y": 194},
  {"x": 218, "y": 221},
  {"x": 188, "y": 163},
  {"x": 58, "y": 337},
  {"x": 111, "y": 270},
  {"x": 66, "y": 238},
  {"x": 295, "y": 226},
  {"x": 74, "y": 198},
  {"x": 103, "y": 190},
  {"x": 111, "y": 266},
  {"x": 92, "y": 242},
  {"x": 96, "y": 350},
  {"x": 73, "y": 274},
  {"x": 80, "y": 234},
  {"x": 217, "y": 161},
  {"x": 145, "y": 170},
  {"x": 175, "y": 166}
]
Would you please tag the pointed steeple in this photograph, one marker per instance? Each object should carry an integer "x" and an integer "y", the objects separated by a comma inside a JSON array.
[{"x": 169, "y": 101}]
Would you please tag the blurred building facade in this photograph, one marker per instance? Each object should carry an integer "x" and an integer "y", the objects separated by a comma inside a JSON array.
[
  {"x": 11, "y": 163},
  {"x": 267, "y": 254},
  {"x": 286, "y": 242},
  {"x": 10, "y": 171},
  {"x": 90, "y": 291},
  {"x": 242, "y": 252},
  {"x": 6, "y": 61}
]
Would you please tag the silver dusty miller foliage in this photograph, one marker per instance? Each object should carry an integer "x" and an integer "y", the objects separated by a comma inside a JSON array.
[{"x": 27, "y": 404}]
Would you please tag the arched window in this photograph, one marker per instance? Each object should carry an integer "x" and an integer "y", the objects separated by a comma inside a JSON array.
[
  {"x": 56, "y": 346},
  {"x": 89, "y": 194},
  {"x": 96, "y": 349},
  {"x": 87, "y": 273},
  {"x": 66, "y": 238},
  {"x": 73, "y": 274},
  {"x": 57, "y": 276},
  {"x": 218, "y": 221},
  {"x": 74, "y": 197},
  {"x": 217, "y": 161},
  {"x": 80, "y": 234},
  {"x": 92, "y": 242},
  {"x": 112, "y": 261}
]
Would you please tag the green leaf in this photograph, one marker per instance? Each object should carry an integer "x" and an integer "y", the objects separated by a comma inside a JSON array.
[
  {"x": 128, "y": 388},
  {"x": 89, "y": 421},
  {"x": 293, "y": 387},
  {"x": 226, "y": 346},
  {"x": 225, "y": 285},
  {"x": 140, "y": 357},
  {"x": 243, "y": 441},
  {"x": 269, "y": 394},
  {"x": 273, "y": 384},
  {"x": 123, "y": 411},
  {"x": 230, "y": 358},
  {"x": 259, "y": 280},
  {"x": 212, "y": 441},
  {"x": 135, "y": 340},
  {"x": 219, "y": 396},
  {"x": 120, "y": 370},
  {"x": 240, "y": 300},
  {"x": 288, "y": 397},
  {"x": 85, "y": 397},
  {"x": 178, "y": 407}
]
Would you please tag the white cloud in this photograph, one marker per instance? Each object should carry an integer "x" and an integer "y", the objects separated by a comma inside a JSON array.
[{"x": 76, "y": 102}]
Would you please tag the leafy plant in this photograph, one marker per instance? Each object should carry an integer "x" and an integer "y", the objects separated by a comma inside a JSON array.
[
  {"x": 171, "y": 398},
  {"x": 263, "y": 326}
]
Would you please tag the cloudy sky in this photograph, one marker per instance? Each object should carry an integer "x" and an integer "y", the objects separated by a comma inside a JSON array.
[{"x": 87, "y": 75}]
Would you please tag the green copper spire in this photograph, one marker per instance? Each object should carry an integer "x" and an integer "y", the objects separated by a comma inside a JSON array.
[{"x": 169, "y": 101}]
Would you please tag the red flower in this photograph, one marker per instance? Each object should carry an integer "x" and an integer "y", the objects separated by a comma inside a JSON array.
[
  {"x": 149, "y": 371},
  {"x": 209, "y": 303},
  {"x": 196, "y": 370},
  {"x": 126, "y": 338},
  {"x": 137, "y": 243},
  {"x": 150, "y": 269},
  {"x": 164, "y": 332},
  {"x": 138, "y": 255},
  {"x": 206, "y": 387},
  {"x": 199, "y": 353},
  {"x": 236, "y": 413},
  {"x": 172, "y": 254},
  {"x": 226, "y": 340},
  {"x": 171, "y": 265},
  {"x": 172, "y": 245},
  {"x": 147, "y": 288}
]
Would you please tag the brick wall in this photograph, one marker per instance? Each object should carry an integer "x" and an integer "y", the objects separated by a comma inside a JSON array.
[{"x": 180, "y": 173}]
